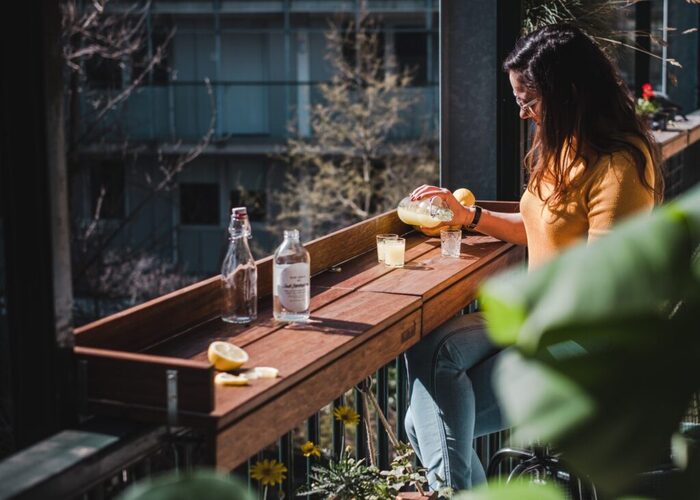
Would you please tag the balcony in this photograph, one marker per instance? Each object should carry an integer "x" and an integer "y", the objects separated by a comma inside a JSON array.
[{"x": 251, "y": 117}]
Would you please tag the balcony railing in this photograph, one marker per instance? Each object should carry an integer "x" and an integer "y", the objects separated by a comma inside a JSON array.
[{"x": 246, "y": 112}]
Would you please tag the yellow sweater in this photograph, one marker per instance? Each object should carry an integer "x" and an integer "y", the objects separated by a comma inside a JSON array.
[{"x": 611, "y": 192}]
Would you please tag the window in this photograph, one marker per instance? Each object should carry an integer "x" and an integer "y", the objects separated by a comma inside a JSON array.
[
  {"x": 199, "y": 204},
  {"x": 412, "y": 53},
  {"x": 103, "y": 73},
  {"x": 254, "y": 200},
  {"x": 107, "y": 189}
]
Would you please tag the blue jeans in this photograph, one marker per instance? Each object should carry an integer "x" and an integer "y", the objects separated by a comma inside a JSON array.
[{"x": 452, "y": 400}]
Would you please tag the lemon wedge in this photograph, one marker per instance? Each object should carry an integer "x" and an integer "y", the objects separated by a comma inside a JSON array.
[
  {"x": 226, "y": 356},
  {"x": 228, "y": 379},
  {"x": 266, "y": 372}
]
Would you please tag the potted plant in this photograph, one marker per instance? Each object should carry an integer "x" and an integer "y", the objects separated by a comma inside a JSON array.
[{"x": 647, "y": 108}]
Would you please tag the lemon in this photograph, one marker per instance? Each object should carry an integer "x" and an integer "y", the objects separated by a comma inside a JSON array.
[
  {"x": 228, "y": 379},
  {"x": 465, "y": 197},
  {"x": 266, "y": 372},
  {"x": 226, "y": 356}
]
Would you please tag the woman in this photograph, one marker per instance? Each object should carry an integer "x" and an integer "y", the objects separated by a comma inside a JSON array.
[{"x": 592, "y": 163}]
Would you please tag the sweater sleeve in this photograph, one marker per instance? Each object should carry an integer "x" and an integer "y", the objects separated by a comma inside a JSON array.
[{"x": 616, "y": 193}]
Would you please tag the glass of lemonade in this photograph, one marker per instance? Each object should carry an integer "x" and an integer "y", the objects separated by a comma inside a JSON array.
[
  {"x": 380, "y": 244},
  {"x": 394, "y": 252}
]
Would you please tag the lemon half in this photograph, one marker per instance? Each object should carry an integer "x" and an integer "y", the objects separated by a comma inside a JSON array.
[
  {"x": 226, "y": 356},
  {"x": 228, "y": 379}
]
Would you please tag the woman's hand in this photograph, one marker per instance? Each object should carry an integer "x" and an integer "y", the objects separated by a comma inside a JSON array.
[{"x": 462, "y": 215}]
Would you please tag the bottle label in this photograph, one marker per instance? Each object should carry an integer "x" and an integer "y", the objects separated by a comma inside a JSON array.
[{"x": 292, "y": 286}]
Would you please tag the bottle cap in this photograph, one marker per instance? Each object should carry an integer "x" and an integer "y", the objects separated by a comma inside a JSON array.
[
  {"x": 291, "y": 234},
  {"x": 239, "y": 212}
]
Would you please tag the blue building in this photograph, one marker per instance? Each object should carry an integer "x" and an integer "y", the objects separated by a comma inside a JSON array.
[{"x": 264, "y": 60}]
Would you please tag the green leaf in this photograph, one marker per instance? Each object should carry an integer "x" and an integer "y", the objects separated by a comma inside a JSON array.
[
  {"x": 203, "y": 483},
  {"x": 513, "y": 491},
  {"x": 608, "y": 341}
]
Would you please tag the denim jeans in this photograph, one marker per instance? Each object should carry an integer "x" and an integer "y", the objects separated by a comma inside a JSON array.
[{"x": 452, "y": 400}]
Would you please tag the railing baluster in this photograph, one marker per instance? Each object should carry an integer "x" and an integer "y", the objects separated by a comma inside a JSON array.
[
  {"x": 401, "y": 398},
  {"x": 338, "y": 428},
  {"x": 312, "y": 432},
  {"x": 286, "y": 456},
  {"x": 383, "y": 399},
  {"x": 361, "y": 433}
]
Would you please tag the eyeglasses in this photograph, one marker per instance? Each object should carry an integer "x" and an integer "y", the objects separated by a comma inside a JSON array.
[{"x": 527, "y": 107}]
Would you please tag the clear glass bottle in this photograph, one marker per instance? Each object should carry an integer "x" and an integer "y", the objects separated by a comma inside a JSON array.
[
  {"x": 291, "y": 284},
  {"x": 239, "y": 276},
  {"x": 426, "y": 213}
]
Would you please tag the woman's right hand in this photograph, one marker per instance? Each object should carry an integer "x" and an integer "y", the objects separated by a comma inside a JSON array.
[{"x": 462, "y": 214}]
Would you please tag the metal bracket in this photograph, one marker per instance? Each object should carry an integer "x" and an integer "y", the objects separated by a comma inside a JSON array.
[{"x": 171, "y": 394}]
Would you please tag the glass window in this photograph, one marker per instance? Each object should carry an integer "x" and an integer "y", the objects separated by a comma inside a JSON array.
[
  {"x": 107, "y": 188},
  {"x": 199, "y": 204}
]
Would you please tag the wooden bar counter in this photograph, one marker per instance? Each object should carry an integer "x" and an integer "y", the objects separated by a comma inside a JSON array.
[{"x": 150, "y": 362}]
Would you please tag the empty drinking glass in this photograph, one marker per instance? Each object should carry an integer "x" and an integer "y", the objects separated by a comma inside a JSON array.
[{"x": 450, "y": 242}]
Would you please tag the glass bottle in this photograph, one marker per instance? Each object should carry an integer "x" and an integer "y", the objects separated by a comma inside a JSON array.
[
  {"x": 426, "y": 213},
  {"x": 239, "y": 276},
  {"x": 291, "y": 285}
]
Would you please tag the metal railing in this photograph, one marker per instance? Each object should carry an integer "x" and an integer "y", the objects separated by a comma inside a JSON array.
[{"x": 255, "y": 110}]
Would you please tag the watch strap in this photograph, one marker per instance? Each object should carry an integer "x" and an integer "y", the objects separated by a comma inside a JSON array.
[{"x": 477, "y": 216}]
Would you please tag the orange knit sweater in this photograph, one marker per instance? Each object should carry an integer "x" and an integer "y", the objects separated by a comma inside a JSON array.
[{"x": 611, "y": 192}]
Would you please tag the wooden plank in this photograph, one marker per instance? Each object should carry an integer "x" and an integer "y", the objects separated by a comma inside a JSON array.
[
  {"x": 193, "y": 344},
  {"x": 299, "y": 350},
  {"x": 141, "y": 326},
  {"x": 141, "y": 379},
  {"x": 262, "y": 426},
  {"x": 671, "y": 142},
  {"x": 431, "y": 273},
  {"x": 450, "y": 301},
  {"x": 365, "y": 268}
]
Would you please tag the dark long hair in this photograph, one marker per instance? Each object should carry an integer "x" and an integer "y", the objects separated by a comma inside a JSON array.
[{"x": 586, "y": 110}]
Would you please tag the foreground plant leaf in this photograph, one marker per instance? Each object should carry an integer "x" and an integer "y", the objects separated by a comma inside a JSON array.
[{"x": 606, "y": 362}]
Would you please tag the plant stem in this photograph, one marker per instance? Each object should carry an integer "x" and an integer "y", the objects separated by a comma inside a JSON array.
[{"x": 265, "y": 493}]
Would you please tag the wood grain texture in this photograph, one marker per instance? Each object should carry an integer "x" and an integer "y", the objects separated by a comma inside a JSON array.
[
  {"x": 194, "y": 343},
  {"x": 449, "y": 302},
  {"x": 141, "y": 379},
  {"x": 300, "y": 350},
  {"x": 264, "y": 424},
  {"x": 431, "y": 273},
  {"x": 365, "y": 268},
  {"x": 144, "y": 325}
]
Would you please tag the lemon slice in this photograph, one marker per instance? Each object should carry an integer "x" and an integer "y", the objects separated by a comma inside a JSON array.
[
  {"x": 250, "y": 374},
  {"x": 226, "y": 356},
  {"x": 266, "y": 372},
  {"x": 228, "y": 379}
]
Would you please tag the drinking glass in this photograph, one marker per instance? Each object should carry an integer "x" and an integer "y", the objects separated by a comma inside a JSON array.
[
  {"x": 394, "y": 252},
  {"x": 450, "y": 242},
  {"x": 380, "y": 244}
]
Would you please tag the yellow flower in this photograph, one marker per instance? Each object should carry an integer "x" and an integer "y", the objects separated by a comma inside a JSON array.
[
  {"x": 347, "y": 415},
  {"x": 309, "y": 448},
  {"x": 268, "y": 472}
]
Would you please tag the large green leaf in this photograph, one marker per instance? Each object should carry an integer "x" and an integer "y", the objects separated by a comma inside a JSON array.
[
  {"x": 199, "y": 484},
  {"x": 513, "y": 491},
  {"x": 607, "y": 361}
]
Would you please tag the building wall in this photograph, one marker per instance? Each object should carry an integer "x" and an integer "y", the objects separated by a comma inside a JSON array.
[{"x": 264, "y": 64}]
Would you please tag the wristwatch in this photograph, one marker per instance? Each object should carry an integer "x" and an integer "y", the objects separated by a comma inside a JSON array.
[{"x": 477, "y": 216}]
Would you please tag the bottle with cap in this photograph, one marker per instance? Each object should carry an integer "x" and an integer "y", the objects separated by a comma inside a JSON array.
[
  {"x": 239, "y": 276},
  {"x": 291, "y": 285}
]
